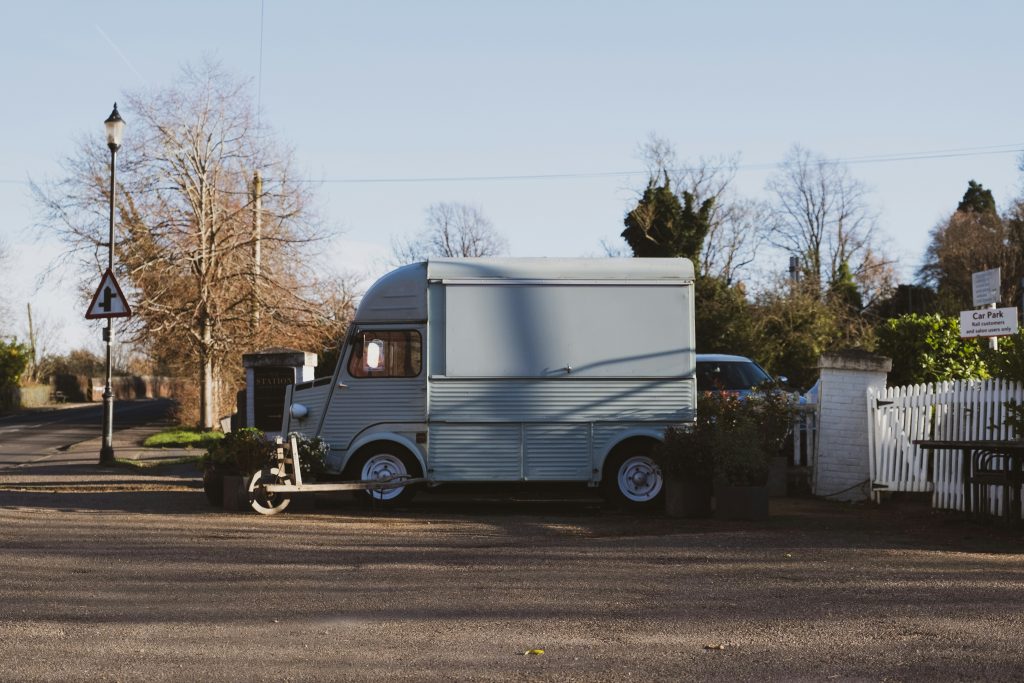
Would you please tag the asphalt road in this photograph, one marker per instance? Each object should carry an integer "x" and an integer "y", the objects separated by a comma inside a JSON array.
[
  {"x": 153, "y": 585},
  {"x": 36, "y": 435},
  {"x": 146, "y": 582}
]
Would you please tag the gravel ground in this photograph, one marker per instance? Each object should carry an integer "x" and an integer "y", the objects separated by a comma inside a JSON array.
[{"x": 146, "y": 582}]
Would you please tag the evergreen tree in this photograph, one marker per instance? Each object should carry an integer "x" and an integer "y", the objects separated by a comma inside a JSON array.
[
  {"x": 843, "y": 290},
  {"x": 661, "y": 226},
  {"x": 978, "y": 199},
  {"x": 723, "y": 317}
]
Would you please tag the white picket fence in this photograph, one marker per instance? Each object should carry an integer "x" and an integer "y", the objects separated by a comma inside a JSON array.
[
  {"x": 961, "y": 410},
  {"x": 805, "y": 436}
]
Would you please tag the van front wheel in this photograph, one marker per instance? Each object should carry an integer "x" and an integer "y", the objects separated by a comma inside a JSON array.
[
  {"x": 386, "y": 462},
  {"x": 633, "y": 478}
]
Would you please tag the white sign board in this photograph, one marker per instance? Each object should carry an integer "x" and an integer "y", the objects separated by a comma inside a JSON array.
[
  {"x": 108, "y": 301},
  {"x": 985, "y": 287},
  {"x": 988, "y": 322}
]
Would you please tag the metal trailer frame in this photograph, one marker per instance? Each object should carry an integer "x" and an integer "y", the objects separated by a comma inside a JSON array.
[{"x": 271, "y": 488}]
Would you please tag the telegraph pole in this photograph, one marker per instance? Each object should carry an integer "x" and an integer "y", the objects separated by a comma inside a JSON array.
[{"x": 257, "y": 236}]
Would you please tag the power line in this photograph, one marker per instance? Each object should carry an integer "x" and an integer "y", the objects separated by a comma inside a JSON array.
[
  {"x": 879, "y": 158},
  {"x": 989, "y": 150}
]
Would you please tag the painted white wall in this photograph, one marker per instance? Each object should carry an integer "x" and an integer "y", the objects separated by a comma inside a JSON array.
[{"x": 842, "y": 470}]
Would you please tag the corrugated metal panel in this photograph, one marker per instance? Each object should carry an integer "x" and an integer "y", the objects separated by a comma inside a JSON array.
[
  {"x": 557, "y": 452},
  {"x": 561, "y": 400},
  {"x": 315, "y": 399},
  {"x": 475, "y": 452},
  {"x": 605, "y": 435},
  {"x": 370, "y": 401}
]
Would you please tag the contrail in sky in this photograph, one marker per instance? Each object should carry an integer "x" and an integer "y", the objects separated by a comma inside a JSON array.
[{"x": 120, "y": 54}]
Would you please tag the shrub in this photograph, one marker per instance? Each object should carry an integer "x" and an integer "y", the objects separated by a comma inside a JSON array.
[
  {"x": 733, "y": 437},
  {"x": 14, "y": 358},
  {"x": 928, "y": 348},
  {"x": 686, "y": 454},
  {"x": 243, "y": 451},
  {"x": 740, "y": 457},
  {"x": 312, "y": 455}
]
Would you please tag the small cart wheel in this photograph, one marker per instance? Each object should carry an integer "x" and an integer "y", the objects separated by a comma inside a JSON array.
[{"x": 263, "y": 501}]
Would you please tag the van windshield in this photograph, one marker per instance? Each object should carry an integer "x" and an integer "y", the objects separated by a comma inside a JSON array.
[{"x": 386, "y": 353}]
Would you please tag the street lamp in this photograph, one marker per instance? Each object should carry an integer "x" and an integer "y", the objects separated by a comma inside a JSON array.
[{"x": 115, "y": 128}]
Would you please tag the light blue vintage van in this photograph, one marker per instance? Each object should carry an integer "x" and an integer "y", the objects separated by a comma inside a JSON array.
[{"x": 510, "y": 370}]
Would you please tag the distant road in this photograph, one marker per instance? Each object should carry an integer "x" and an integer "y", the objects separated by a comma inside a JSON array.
[{"x": 31, "y": 435}]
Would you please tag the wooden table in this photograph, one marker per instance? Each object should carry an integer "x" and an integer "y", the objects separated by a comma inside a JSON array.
[{"x": 976, "y": 468}]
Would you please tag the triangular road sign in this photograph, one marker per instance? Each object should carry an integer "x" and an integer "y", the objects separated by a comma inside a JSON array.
[{"x": 108, "y": 301}]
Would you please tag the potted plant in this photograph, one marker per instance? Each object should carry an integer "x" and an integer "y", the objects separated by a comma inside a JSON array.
[
  {"x": 749, "y": 433},
  {"x": 741, "y": 471},
  {"x": 234, "y": 458},
  {"x": 689, "y": 471}
]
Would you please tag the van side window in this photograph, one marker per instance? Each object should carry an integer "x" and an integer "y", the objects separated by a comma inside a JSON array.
[{"x": 386, "y": 353}]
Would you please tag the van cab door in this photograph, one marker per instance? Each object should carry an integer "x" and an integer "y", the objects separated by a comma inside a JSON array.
[{"x": 381, "y": 385}]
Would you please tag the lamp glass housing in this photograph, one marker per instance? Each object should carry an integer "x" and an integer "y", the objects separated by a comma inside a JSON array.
[{"x": 115, "y": 128}]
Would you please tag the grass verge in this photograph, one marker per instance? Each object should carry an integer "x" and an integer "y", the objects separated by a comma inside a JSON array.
[{"x": 180, "y": 437}]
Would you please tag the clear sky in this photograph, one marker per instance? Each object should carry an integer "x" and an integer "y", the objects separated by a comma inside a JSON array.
[{"x": 373, "y": 93}]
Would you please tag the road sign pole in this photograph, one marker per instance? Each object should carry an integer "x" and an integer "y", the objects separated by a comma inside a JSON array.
[{"x": 107, "y": 449}]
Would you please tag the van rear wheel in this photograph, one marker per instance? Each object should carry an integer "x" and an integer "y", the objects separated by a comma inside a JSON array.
[
  {"x": 385, "y": 462},
  {"x": 632, "y": 477}
]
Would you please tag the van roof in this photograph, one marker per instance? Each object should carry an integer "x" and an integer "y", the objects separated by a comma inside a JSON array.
[
  {"x": 546, "y": 268},
  {"x": 401, "y": 294}
]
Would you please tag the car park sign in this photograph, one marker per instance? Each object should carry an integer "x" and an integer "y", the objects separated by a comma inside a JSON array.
[{"x": 988, "y": 322}]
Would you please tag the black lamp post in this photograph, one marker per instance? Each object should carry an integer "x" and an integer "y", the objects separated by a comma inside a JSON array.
[{"x": 115, "y": 128}]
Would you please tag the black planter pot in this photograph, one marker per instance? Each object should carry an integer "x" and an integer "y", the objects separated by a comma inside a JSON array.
[
  {"x": 741, "y": 502},
  {"x": 687, "y": 497},
  {"x": 213, "y": 487}
]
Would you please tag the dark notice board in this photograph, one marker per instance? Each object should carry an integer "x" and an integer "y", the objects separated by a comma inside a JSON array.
[{"x": 268, "y": 396}]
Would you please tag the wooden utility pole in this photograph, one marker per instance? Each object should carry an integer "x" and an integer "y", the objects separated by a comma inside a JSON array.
[
  {"x": 31, "y": 342},
  {"x": 257, "y": 235}
]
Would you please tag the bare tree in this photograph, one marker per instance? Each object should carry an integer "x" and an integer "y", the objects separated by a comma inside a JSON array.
[
  {"x": 453, "y": 230},
  {"x": 965, "y": 243},
  {"x": 43, "y": 334},
  {"x": 821, "y": 214},
  {"x": 185, "y": 230},
  {"x": 737, "y": 227},
  {"x": 739, "y": 230}
]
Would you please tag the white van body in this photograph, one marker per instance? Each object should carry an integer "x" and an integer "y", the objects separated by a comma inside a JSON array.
[{"x": 511, "y": 369}]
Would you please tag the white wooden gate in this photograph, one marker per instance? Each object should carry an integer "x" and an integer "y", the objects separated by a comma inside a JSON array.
[{"x": 946, "y": 410}]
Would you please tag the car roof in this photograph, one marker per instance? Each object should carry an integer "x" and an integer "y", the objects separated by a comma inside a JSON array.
[{"x": 721, "y": 358}]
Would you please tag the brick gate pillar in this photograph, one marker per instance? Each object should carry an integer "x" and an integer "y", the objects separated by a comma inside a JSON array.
[
  {"x": 268, "y": 374},
  {"x": 842, "y": 469}
]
